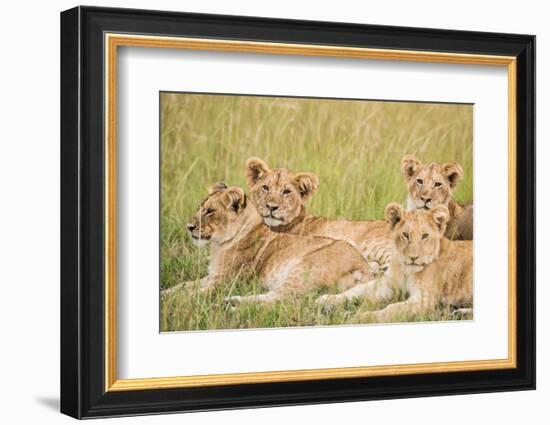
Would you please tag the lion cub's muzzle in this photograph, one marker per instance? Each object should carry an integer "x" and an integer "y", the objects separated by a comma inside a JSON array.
[
  {"x": 199, "y": 237},
  {"x": 413, "y": 261},
  {"x": 271, "y": 215},
  {"x": 416, "y": 263},
  {"x": 424, "y": 204}
]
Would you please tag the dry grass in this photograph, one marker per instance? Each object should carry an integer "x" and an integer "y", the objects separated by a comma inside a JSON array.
[{"x": 354, "y": 147}]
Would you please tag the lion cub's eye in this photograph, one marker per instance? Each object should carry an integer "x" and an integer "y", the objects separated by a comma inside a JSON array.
[
  {"x": 265, "y": 188},
  {"x": 437, "y": 184},
  {"x": 286, "y": 192},
  {"x": 405, "y": 236},
  {"x": 209, "y": 211},
  {"x": 420, "y": 181},
  {"x": 425, "y": 236}
]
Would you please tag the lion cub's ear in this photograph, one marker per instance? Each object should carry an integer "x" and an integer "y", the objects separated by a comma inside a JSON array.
[
  {"x": 234, "y": 199},
  {"x": 440, "y": 214},
  {"x": 453, "y": 171},
  {"x": 217, "y": 188},
  {"x": 307, "y": 184},
  {"x": 394, "y": 214},
  {"x": 409, "y": 166},
  {"x": 255, "y": 170}
]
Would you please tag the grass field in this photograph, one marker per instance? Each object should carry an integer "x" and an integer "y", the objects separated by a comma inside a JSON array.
[{"x": 355, "y": 148}]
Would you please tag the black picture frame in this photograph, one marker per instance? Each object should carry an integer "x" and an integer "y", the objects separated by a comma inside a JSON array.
[{"x": 83, "y": 392}]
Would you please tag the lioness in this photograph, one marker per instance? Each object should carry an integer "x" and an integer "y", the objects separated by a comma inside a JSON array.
[
  {"x": 286, "y": 264},
  {"x": 432, "y": 184},
  {"x": 428, "y": 266},
  {"x": 280, "y": 196}
]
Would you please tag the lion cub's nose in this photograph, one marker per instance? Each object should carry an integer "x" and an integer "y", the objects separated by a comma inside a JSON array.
[
  {"x": 425, "y": 199},
  {"x": 191, "y": 227},
  {"x": 272, "y": 207},
  {"x": 413, "y": 259}
]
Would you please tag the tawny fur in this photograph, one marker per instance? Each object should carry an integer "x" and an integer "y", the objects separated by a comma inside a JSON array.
[
  {"x": 425, "y": 264},
  {"x": 286, "y": 264},
  {"x": 430, "y": 185},
  {"x": 280, "y": 196}
]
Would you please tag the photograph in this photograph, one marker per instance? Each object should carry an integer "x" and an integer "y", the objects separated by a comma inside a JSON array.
[{"x": 280, "y": 212}]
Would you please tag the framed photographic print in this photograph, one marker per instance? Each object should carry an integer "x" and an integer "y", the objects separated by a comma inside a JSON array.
[{"x": 261, "y": 212}]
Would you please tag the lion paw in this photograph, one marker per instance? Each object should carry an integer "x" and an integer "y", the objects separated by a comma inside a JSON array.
[
  {"x": 233, "y": 300},
  {"x": 328, "y": 300}
]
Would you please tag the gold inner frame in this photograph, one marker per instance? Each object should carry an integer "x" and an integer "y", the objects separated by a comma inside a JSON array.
[{"x": 113, "y": 41}]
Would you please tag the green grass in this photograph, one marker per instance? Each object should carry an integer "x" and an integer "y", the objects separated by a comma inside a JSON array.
[{"x": 355, "y": 148}]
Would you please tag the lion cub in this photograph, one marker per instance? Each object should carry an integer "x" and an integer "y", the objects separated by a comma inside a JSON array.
[
  {"x": 286, "y": 264},
  {"x": 280, "y": 197},
  {"x": 428, "y": 266},
  {"x": 429, "y": 185}
]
